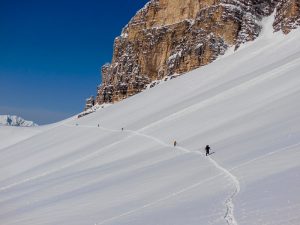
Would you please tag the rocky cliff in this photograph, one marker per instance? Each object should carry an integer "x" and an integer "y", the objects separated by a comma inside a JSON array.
[{"x": 170, "y": 37}]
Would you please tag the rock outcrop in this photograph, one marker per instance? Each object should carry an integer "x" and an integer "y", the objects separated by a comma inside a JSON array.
[
  {"x": 287, "y": 15},
  {"x": 89, "y": 103},
  {"x": 171, "y": 37}
]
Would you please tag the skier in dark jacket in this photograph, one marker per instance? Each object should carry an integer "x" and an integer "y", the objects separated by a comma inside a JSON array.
[
  {"x": 175, "y": 143},
  {"x": 207, "y": 148}
]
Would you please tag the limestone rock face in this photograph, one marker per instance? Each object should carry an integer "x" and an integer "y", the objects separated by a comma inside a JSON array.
[
  {"x": 171, "y": 37},
  {"x": 287, "y": 15}
]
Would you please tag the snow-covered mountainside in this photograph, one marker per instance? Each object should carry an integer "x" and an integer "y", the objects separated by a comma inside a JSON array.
[
  {"x": 8, "y": 120},
  {"x": 10, "y": 135},
  {"x": 245, "y": 105},
  {"x": 168, "y": 38}
]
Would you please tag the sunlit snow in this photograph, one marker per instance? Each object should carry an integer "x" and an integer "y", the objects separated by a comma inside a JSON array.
[{"x": 245, "y": 106}]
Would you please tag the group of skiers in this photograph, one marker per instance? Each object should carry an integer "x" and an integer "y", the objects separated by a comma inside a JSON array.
[{"x": 207, "y": 148}]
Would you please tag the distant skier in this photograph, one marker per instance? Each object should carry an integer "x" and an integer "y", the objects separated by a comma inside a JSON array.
[
  {"x": 98, "y": 125},
  {"x": 122, "y": 128},
  {"x": 207, "y": 148},
  {"x": 175, "y": 143}
]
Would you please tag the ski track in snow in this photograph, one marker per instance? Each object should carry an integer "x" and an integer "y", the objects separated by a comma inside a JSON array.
[
  {"x": 229, "y": 215},
  {"x": 287, "y": 148},
  {"x": 167, "y": 118},
  {"x": 87, "y": 157},
  {"x": 158, "y": 200}
]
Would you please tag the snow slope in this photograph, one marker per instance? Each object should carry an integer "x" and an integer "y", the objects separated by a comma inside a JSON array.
[
  {"x": 245, "y": 105},
  {"x": 12, "y": 135}
]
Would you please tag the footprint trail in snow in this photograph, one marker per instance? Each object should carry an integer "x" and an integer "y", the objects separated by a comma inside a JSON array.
[{"x": 229, "y": 215}]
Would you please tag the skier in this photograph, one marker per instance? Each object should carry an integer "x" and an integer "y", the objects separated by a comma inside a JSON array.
[
  {"x": 175, "y": 143},
  {"x": 122, "y": 128},
  {"x": 207, "y": 148},
  {"x": 98, "y": 125}
]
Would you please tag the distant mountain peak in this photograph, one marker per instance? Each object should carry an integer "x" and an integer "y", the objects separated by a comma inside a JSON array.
[{"x": 11, "y": 120}]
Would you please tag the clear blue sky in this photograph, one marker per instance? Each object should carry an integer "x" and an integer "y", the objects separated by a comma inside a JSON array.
[{"x": 51, "y": 52}]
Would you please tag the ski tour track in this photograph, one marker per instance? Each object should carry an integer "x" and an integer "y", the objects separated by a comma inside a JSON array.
[{"x": 229, "y": 215}]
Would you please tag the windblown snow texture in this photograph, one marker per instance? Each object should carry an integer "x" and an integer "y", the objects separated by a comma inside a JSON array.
[{"x": 244, "y": 105}]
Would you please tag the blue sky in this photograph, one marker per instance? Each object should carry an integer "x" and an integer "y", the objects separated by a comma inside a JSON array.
[{"x": 51, "y": 52}]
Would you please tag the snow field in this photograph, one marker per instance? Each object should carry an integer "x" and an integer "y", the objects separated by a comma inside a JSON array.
[{"x": 245, "y": 105}]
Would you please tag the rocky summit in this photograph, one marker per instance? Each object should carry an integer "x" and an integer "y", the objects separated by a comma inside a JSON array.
[{"x": 171, "y": 37}]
